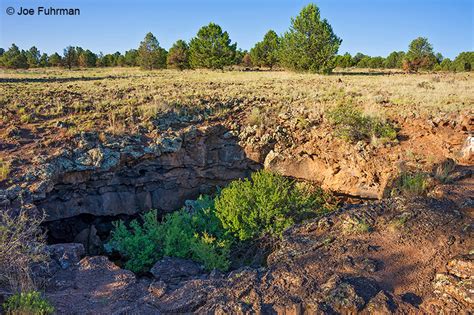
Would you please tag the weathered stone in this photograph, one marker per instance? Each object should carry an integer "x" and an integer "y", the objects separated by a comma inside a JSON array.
[
  {"x": 172, "y": 270},
  {"x": 459, "y": 290},
  {"x": 88, "y": 237},
  {"x": 380, "y": 304},
  {"x": 66, "y": 255},
  {"x": 466, "y": 154},
  {"x": 110, "y": 185},
  {"x": 342, "y": 296},
  {"x": 157, "y": 288},
  {"x": 462, "y": 266}
]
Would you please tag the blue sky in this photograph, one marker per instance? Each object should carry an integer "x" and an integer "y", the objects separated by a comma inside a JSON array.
[{"x": 369, "y": 26}]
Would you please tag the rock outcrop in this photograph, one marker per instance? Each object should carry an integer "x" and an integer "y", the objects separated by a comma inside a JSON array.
[{"x": 107, "y": 179}]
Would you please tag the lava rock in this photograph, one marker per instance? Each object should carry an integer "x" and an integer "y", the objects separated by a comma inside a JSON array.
[
  {"x": 66, "y": 255},
  {"x": 173, "y": 270}
]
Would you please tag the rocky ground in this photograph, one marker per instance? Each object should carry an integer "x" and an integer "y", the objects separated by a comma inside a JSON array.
[
  {"x": 380, "y": 254},
  {"x": 363, "y": 258}
]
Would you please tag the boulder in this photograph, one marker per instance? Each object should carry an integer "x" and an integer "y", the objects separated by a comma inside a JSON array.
[
  {"x": 173, "y": 270},
  {"x": 66, "y": 255},
  {"x": 88, "y": 237},
  {"x": 466, "y": 154}
]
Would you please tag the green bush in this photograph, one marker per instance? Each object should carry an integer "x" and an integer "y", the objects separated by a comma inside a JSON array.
[
  {"x": 27, "y": 303},
  {"x": 197, "y": 235},
  {"x": 353, "y": 126},
  {"x": 139, "y": 245},
  {"x": 246, "y": 209},
  {"x": 268, "y": 203},
  {"x": 4, "y": 170}
]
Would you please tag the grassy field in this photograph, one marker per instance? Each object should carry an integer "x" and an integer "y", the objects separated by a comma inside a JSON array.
[{"x": 124, "y": 99}]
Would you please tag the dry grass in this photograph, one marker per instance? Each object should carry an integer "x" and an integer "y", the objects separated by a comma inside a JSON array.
[
  {"x": 4, "y": 170},
  {"x": 122, "y": 99},
  {"x": 21, "y": 244}
]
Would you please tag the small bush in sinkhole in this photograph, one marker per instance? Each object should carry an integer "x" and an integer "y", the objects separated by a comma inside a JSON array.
[
  {"x": 266, "y": 204},
  {"x": 198, "y": 236}
]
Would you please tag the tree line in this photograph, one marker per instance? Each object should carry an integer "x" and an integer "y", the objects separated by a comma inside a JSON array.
[{"x": 309, "y": 45}]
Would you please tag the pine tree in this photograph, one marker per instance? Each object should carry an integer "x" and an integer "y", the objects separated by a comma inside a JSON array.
[
  {"x": 55, "y": 60},
  {"x": 70, "y": 57},
  {"x": 310, "y": 44},
  {"x": 211, "y": 48},
  {"x": 150, "y": 54},
  {"x": 33, "y": 57},
  {"x": 14, "y": 58},
  {"x": 178, "y": 56},
  {"x": 265, "y": 53},
  {"x": 419, "y": 56}
]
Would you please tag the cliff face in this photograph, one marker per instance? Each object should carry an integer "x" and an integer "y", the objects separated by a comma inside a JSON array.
[{"x": 108, "y": 179}]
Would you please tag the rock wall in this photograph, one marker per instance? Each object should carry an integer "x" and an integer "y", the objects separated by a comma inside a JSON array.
[{"x": 104, "y": 180}]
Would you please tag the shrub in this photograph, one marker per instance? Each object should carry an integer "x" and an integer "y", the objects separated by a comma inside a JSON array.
[
  {"x": 196, "y": 235},
  {"x": 21, "y": 245},
  {"x": 4, "y": 170},
  {"x": 204, "y": 231},
  {"x": 412, "y": 184},
  {"x": 268, "y": 203},
  {"x": 27, "y": 303},
  {"x": 353, "y": 126},
  {"x": 444, "y": 170},
  {"x": 140, "y": 245}
]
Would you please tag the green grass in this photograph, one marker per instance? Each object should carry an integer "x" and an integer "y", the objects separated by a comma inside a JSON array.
[
  {"x": 412, "y": 184},
  {"x": 27, "y": 303}
]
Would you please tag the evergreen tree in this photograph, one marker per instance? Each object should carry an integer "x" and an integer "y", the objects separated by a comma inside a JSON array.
[
  {"x": 446, "y": 65},
  {"x": 150, "y": 54},
  {"x": 211, "y": 48},
  {"x": 44, "y": 61},
  {"x": 464, "y": 61},
  {"x": 71, "y": 57},
  {"x": 419, "y": 56},
  {"x": 310, "y": 44},
  {"x": 131, "y": 57},
  {"x": 33, "y": 57},
  {"x": 265, "y": 53},
  {"x": 178, "y": 56},
  {"x": 55, "y": 60},
  {"x": 14, "y": 58},
  {"x": 344, "y": 61},
  {"x": 395, "y": 60}
]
